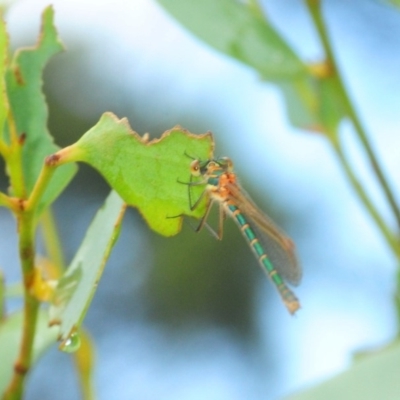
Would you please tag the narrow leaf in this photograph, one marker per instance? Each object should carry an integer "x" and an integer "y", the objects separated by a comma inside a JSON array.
[
  {"x": 237, "y": 30},
  {"x": 77, "y": 286},
  {"x": 242, "y": 32},
  {"x": 29, "y": 109}
]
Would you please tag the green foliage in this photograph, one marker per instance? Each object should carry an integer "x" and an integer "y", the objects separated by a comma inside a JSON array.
[
  {"x": 144, "y": 173},
  {"x": 77, "y": 285},
  {"x": 395, "y": 2},
  {"x": 238, "y": 31},
  {"x": 372, "y": 377},
  {"x": 242, "y": 32},
  {"x": 313, "y": 103},
  {"x": 29, "y": 110},
  {"x": 317, "y": 100},
  {"x": 147, "y": 174}
]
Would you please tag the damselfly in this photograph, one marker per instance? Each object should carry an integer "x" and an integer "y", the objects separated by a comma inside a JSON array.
[{"x": 274, "y": 250}]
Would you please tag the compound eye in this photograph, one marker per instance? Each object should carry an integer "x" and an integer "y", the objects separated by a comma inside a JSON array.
[
  {"x": 227, "y": 163},
  {"x": 195, "y": 168}
]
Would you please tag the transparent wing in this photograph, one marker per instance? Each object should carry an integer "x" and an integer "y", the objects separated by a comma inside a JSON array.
[{"x": 279, "y": 247}]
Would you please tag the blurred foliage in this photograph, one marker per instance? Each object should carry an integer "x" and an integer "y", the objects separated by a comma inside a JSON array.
[
  {"x": 77, "y": 285},
  {"x": 23, "y": 80},
  {"x": 196, "y": 278},
  {"x": 370, "y": 378},
  {"x": 316, "y": 99},
  {"x": 144, "y": 172}
]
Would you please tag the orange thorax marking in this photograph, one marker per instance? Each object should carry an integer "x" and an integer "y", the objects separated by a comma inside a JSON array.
[{"x": 221, "y": 192}]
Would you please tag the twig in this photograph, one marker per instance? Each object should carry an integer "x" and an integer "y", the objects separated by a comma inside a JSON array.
[{"x": 315, "y": 11}]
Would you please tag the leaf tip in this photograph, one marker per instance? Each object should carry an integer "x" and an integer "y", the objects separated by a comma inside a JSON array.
[{"x": 48, "y": 26}]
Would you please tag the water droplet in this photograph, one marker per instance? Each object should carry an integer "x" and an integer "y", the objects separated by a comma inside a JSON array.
[{"x": 71, "y": 343}]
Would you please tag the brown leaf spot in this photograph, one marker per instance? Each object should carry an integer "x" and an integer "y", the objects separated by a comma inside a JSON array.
[
  {"x": 52, "y": 159},
  {"x": 20, "y": 369},
  {"x": 22, "y": 138},
  {"x": 55, "y": 322},
  {"x": 18, "y": 76}
]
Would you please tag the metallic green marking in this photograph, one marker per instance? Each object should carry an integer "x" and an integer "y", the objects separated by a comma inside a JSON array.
[
  {"x": 260, "y": 251},
  {"x": 250, "y": 234},
  {"x": 241, "y": 219}
]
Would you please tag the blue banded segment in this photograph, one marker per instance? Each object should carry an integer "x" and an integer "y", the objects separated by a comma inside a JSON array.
[{"x": 287, "y": 295}]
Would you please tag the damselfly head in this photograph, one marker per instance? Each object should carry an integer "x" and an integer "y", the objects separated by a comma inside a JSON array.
[
  {"x": 226, "y": 163},
  {"x": 211, "y": 167},
  {"x": 204, "y": 168}
]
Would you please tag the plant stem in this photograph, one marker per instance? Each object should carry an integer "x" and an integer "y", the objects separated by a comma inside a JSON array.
[
  {"x": 26, "y": 227},
  {"x": 31, "y": 307},
  {"x": 314, "y": 7},
  {"x": 40, "y": 186},
  {"x": 13, "y": 203},
  {"x": 84, "y": 362},
  {"x": 386, "y": 232}
]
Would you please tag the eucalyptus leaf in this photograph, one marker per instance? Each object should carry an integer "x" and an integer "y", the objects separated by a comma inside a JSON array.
[
  {"x": 145, "y": 173},
  {"x": 237, "y": 30},
  {"x": 78, "y": 284},
  {"x": 313, "y": 103},
  {"x": 29, "y": 109},
  {"x": 241, "y": 31}
]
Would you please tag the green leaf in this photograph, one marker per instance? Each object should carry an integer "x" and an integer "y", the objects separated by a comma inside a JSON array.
[
  {"x": 29, "y": 109},
  {"x": 395, "y": 2},
  {"x": 145, "y": 174},
  {"x": 371, "y": 377},
  {"x": 10, "y": 337},
  {"x": 242, "y": 32},
  {"x": 4, "y": 106},
  {"x": 237, "y": 30},
  {"x": 331, "y": 110},
  {"x": 313, "y": 103},
  {"x": 301, "y": 101},
  {"x": 77, "y": 286}
]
